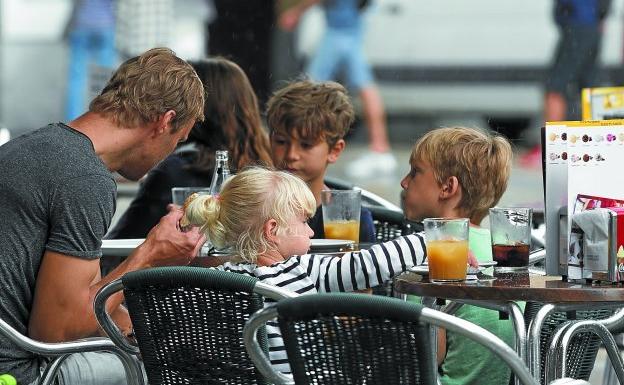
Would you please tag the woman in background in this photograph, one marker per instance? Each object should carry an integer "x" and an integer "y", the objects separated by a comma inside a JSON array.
[{"x": 232, "y": 122}]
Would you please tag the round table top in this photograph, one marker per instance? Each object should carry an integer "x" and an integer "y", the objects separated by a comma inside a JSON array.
[{"x": 520, "y": 286}]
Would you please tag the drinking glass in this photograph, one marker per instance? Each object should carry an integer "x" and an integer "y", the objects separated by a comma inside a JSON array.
[
  {"x": 179, "y": 194},
  {"x": 341, "y": 214},
  {"x": 447, "y": 248},
  {"x": 511, "y": 237}
]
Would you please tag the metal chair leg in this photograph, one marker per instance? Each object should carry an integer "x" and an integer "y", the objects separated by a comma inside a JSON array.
[
  {"x": 51, "y": 370},
  {"x": 533, "y": 344}
]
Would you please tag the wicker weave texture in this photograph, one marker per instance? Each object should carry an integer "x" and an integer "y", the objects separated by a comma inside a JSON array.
[
  {"x": 332, "y": 349},
  {"x": 190, "y": 335},
  {"x": 583, "y": 347},
  {"x": 385, "y": 231}
]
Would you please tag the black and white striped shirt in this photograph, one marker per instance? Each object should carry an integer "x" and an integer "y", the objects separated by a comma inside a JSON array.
[{"x": 317, "y": 273}]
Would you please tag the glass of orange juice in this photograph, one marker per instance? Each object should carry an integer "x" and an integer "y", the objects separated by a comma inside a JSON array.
[
  {"x": 341, "y": 214},
  {"x": 447, "y": 248}
]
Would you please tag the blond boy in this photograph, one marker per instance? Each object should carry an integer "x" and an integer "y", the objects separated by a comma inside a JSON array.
[{"x": 460, "y": 173}]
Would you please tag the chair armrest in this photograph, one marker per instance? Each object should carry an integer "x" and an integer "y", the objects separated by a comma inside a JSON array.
[
  {"x": 372, "y": 199},
  {"x": 368, "y": 198},
  {"x": 337, "y": 183},
  {"x": 257, "y": 355},
  {"x": 56, "y": 348},
  {"x": 62, "y": 349},
  {"x": 483, "y": 337},
  {"x": 105, "y": 320},
  {"x": 615, "y": 323}
]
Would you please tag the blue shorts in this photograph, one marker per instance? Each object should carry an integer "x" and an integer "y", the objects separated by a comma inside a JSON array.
[{"x": 341, "y": 54}]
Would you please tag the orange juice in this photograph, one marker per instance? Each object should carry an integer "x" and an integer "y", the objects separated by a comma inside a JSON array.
[
  {"x": 342, "y": 230},
  {"x": 448, "y": 260}
]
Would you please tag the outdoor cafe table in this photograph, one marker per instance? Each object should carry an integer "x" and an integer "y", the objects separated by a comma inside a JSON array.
[{"x": 503, "y": 294}]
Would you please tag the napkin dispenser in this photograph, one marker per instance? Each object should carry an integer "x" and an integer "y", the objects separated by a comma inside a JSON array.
[{"x": 596, "y": 249}]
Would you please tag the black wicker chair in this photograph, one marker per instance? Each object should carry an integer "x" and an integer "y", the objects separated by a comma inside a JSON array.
[
  {"x": 188, "y": 323},
  {"x": 369, "y": 199},
  {"x": 361, "y": 339},
  {"x": 390, "y": 224}
]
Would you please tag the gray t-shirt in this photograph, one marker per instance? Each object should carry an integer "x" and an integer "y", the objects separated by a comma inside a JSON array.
[{"x": 56, "y": 194}]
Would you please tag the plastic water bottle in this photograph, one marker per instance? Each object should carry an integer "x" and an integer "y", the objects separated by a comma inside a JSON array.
[
  {"x": 7, "y": 379},
  {"x": 221, "y": 172}
]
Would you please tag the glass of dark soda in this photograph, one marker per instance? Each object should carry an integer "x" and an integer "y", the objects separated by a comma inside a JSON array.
[{"x": 510, "y": 229}]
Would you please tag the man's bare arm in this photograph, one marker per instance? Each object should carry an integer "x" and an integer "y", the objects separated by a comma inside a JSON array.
[{"x": 66, "y": 286}]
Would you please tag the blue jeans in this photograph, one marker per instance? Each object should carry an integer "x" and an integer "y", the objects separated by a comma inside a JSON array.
[{"x": 86, "y": 47}]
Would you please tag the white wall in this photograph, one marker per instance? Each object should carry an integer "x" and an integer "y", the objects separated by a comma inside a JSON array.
[{"x": 42, "y": 20}]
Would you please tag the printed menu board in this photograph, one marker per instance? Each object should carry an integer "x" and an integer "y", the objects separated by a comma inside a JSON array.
[
  {"x": 595, "y": 152},
  {"x": 581, "y": 158},
  {"x": 555, "y": 193}
]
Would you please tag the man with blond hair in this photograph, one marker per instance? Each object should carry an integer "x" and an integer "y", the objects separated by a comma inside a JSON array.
[{"x": 58, "y": 200}]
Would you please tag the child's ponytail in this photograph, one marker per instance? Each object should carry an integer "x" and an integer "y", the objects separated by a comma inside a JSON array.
[{"x": 203, "y": 211}]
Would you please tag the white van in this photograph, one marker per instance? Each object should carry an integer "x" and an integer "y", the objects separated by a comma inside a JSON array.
[{"x": 484, "y": 59}]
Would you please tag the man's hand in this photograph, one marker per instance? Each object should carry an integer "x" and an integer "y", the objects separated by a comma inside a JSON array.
[
  {"x": 66, "y": 286},
  {"x": 167, "y": 245}
]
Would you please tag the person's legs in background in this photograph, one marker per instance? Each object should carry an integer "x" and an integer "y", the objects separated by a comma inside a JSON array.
[
  {"x": 359, "y": 76},
  {"x": 86, "y": 46},
  {"x": 342, "y": 50},
  {"x": 375, "y": 117},
  {"x": 574, "y": 67},
  {"x": 104, "y": 60},
  {"x": 77, "y": 73},
  {"x": 105, "y": 53},
  {"x": 324, "y": 64},
  {"x": 555, "y": 107}
]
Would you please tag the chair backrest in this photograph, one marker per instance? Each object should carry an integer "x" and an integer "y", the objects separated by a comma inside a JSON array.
[
  {"x": 583, "y": 348},
  {"x": 188, "y": 323},
  {"x": 346, "y": 338},
  {"x": 369, "y": 198},
  {"x": 56, "y": 353},
  {"x": 390, "y": 224}
]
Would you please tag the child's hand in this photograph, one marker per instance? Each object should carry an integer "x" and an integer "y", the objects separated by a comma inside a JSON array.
[{"x": 472, "y": 260}]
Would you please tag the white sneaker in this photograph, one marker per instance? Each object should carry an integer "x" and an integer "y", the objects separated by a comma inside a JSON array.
[
  {"x": 5, "y": 135},
  {"x": 371, "y": 164}
]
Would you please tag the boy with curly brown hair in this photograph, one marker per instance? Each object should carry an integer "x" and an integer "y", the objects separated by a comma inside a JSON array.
[{"x": 308, "y": 122}]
